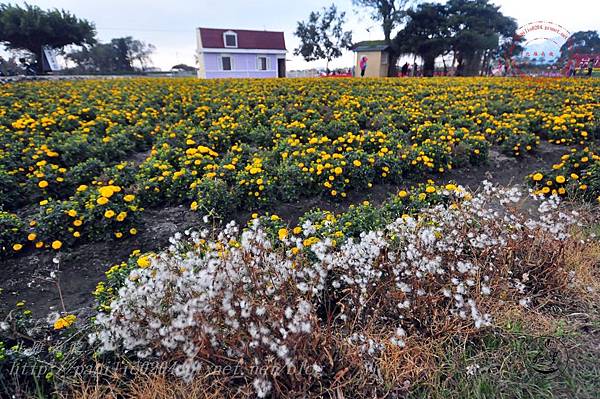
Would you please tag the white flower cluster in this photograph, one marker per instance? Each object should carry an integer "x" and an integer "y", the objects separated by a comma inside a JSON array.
[
  {"x": 231, "y": 297},
  {"x": 237, "y": 297}
]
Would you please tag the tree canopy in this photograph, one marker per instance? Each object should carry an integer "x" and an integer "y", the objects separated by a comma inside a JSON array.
[
  {"x": 118, "y": 56},
  {"x": 477, "y": 28},
  {"x": 390, "y": 13},
  {"x": 323, "y": 35},
  {"x": 30, "y": 28},
  {"x": 474, "y": 30},
  {"x": 426, "y": 34}
]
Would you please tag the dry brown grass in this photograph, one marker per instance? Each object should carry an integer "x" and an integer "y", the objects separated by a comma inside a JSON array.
[{"x": 566, "y": 280}]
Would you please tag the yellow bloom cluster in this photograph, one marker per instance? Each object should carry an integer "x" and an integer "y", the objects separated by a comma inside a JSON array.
[
  {"x": 64, "y": 322},
  {"x": 87, "y": 156}
]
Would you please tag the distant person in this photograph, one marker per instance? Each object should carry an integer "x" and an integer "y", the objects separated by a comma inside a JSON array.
[
  {"x": 591, "y": 67},
  {"x": 570, "y": 69},
  {"x": 363, "y": 66},
  {"x": 404, "y": 70},
  {"x": 581, "y": 68}
]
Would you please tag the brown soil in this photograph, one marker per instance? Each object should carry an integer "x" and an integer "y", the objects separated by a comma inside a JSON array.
[{"x": 27, "y": 277}]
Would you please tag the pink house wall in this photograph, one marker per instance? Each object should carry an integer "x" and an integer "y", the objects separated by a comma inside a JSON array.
[{"x": 244, "y": 66}]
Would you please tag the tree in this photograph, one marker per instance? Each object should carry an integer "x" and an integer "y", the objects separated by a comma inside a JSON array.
[
  {"x": 118, "y": 56},
  {"x": 322, "y": 36},
  {"x": 477, "y": 28},
  {"x": 184, "y": 67},
  {"x": 585, "y": 42},
  {"x": 99, "y": 58},
  {"x": 32, "y": 28},
  {"x": 426, "y": 34},
  {"x": 390, "y": 13}
]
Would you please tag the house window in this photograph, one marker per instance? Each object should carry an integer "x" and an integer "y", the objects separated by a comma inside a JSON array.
[
  {"x": 226, "y": 63},
  {"x": 230, "y": 39},
  {"x": 262, "y": 63}
]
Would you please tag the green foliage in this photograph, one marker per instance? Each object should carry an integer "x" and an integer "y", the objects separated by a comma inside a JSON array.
[
  {"x": 11, "y": 231},
  {"x": 214, "y": 195},
  {"x": 477, "y": 27},
  {"x": 11, "y": 191},
  {"x": 426, "y": 34},
  {"x": 519, "y": 143},
  {"x": 118, "y": 56},
  {"x": 30, "y": 28}
]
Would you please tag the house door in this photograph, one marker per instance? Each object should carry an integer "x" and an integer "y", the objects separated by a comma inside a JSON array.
[{"x": 281, "y": 67}]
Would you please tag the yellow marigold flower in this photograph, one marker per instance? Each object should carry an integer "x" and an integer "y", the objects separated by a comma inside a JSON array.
[
  {"x": 297, "y": 230},
  {"x": 56, "y": 244},
  {"x": 64, "y": 322},
  {"x": 77, "y": 223},
  {"x": 129, "y": 197},
  {"x": 31, "y": 236},
  {"x": 538, "y": 176},
  {"x": 106, "y": 191},
  {"x": 43, "y": 184},
  {"x": 560, "y": 179},
  {"x": 102, "y": 200},
  {"x": 76, "y": 234},
  {"x": 402, "y": 194},
  {"x": 132, "y": 231},
  {"x": 574, "y": 176},
  {"x": 356, "y": 162},
  {"x": 18, "y": 247},
  {"x": 450, "y": 187},
  {"x": 338, "y": 170},
  {"x": 282, "y": 233},
  {"x": 39, "y": 244},
  {"x": 310, "y": 241},
  {"x": 118, "y": 234},
  {"x": 274, "y": 218},
  {"x": 194, "y": 206},
  {"x": 583, "y": 187},
  {"x": 143, "y": 262},
  {"x": 72, "y": 213},
  {"x": 121, "y": 216},
  {"x": 430, "y": 189},
  {"x": 109, "y": 213}
]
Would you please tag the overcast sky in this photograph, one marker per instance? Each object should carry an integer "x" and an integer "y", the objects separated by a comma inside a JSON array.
[{"x": 170, "y": 24}]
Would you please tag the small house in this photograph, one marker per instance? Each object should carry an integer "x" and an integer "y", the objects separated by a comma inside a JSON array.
[
  {"x": 378, "y": 56},
  {"x": 238, "y": 53}
]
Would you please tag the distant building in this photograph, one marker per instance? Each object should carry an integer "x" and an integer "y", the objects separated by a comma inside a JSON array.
[
  {"x": 237, "y": 53},
  {"x": 378, "y": 55}
]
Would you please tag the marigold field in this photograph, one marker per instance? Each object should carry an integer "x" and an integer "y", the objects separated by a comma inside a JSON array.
[
  {"x": 81, "y": 160},
  {"x": 419, "y": 295}
]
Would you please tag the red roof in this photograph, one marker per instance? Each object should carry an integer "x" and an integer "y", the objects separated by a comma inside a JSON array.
[{"x": 247, "y": 39}]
